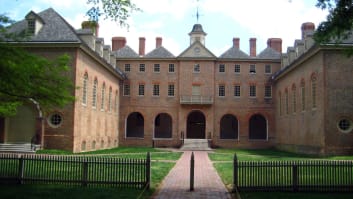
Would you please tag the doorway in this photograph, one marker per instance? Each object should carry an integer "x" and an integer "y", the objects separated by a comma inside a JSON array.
[{"x": 196, "y": 125}]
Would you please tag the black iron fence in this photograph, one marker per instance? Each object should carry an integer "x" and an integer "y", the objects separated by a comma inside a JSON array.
[
  {"x": 75, "y": 170},
  {"x": 306, "y": 175}
]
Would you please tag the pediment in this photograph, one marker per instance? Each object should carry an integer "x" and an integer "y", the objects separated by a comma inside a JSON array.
[{"x": 197, "y": 50}]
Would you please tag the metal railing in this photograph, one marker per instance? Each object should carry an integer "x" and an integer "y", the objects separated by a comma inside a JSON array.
[{"x": 196, "y": 99}]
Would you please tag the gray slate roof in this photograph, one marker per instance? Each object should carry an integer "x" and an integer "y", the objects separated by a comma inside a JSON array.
[
  {"x": 269, "y": 53},
  {"x": 234, "y": 53},
  {"x": 126, "y": 52},
  {"x": 55, "y": 28},
  {"x": 160, "y": 52}
]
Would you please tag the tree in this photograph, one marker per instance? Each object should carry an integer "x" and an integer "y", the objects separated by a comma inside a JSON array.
[
  {"x": 339, "y": 23},
  {"x": 117, "y": 10},
  {"x": 28, "y": 78}
]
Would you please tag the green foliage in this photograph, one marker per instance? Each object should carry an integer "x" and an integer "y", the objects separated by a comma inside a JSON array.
[
  {"x": 28, "y": 78},
  {"x": 339, "y": 23},
  {"x": 117, "y": 10}
]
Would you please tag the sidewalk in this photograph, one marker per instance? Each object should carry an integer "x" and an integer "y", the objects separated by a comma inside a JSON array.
[{"x": 207, "y": 183}]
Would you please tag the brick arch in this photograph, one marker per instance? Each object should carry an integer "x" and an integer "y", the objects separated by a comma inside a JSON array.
[
  {"x": 229, "y": 127},
  {"x": 163, "y": 126},
  {"x": 302, "y": 82},
  {"x": 294, "y": 86},
  {"x": 258, "y": 127},
  {"x": 313, "y": 76},
  {"x": 135, "y": 125},
  {"x": 196, "y": 125}
]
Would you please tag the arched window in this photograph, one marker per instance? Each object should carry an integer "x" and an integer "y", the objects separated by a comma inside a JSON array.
[
  {"x": 110, "y": 99},
  {"x": 117, "y": 101},
  {"x": 163, "y": 126},
  {"x": 94, "y": 93},
  {"x": 257, "y": 127},
  {"x": 103, "y": 97},
  {"x": 229, "y": 127},
  {"x": 313, "y": 90},
  {"x": 135, "y": 125},
  {"x": 302, "y": 92},
  {"x": 84, "y": 89},
  {"x": 294, "y": 98}
]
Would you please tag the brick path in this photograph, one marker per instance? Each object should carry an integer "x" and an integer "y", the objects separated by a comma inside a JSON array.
[{"x": 207, "y": 184}]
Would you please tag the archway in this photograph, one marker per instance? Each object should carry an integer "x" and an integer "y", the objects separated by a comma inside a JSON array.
[
  {"x": 229, "y": 127},
  {"x": 196, "y": 125},
  {"x": 258, "y": 127},
  {"x": 135, "y": 125},
  {"x": 163, "y": 126}
]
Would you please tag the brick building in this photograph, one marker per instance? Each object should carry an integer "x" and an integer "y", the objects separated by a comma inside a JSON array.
[{"x": 299, "y": 101}]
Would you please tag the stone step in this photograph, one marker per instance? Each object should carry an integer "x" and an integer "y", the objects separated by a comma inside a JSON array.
[
  {"x": 18, "y": 147},
  {"x": 195, "y": 145}
]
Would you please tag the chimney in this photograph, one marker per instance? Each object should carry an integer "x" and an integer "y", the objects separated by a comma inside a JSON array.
[
  {"x": 252, "y": 47},
  {"x": 158, "y": 42},
  {"x": 275, "y": 43},
  {"x": 118, "y": 43},
  {"x": 236, "y": 42},
  {"x": 93, "y": 25},
  {"x": 307, "y": 28},
  {"x": 142, "y": 45}
]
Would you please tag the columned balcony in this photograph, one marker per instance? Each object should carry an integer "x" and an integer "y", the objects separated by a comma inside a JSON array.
[{"x": 196, "y": 99}]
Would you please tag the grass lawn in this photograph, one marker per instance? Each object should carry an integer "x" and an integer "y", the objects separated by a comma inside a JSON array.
[
  {"x": 162, "y": 162},
  {"x": 222, "y": 160}
]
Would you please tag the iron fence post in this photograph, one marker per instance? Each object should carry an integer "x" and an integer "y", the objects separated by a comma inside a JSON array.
[
  {"x": 295, "y": 177},
  {"x": 148, "y": 170},
  {"x": 85, "y": 173},
  {"x": 235, "y": 172},
  {"x": 21, "y": 169},
  {"x": 192, "y": 165}
]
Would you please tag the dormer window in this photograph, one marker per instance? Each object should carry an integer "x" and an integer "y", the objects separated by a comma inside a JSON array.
[
  {"x": 34, "y": 23},
  {"x": 31, "y": 26}
]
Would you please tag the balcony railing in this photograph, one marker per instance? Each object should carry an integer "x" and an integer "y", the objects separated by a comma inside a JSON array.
[{"x": 196, "y": 99}]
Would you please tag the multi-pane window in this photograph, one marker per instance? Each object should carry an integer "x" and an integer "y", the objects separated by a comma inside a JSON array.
[
  {"x": 84, "y": 89},
  {"x": 171, "y": 68},
  {"x": 196, "y": 90},
  {"x": 31, "y": 26},
  {"x": 222, "y": 68},
  {"x": 141, "y": 91},
  {"x": 303, "y": 97},
  {"x": 287, "y": 102},
  {"x": 221, "y": 90},
  {"x": 196, "y": 68},
  {"x": 237, "y": 68},
  {"x": 127, "y": 68},
  {"x": 110, "y": 100},
  {"x": 155, "y": 89},
  {"x": 236, "y": 90},
  {"x": 294, "y": 99},
  {"x": 126, "y": 91},
  {"x": 280, "y": 103},
  {"x": 268, "y": 91},
  {"x": 117, "y": 101},
  {"x": 252, "y": 68},
  {"x": 156, "y": 68},
  {"x": 94, "y": 93},
  {"x": 313, "y": 92},
  {"x": 142, "y": 68},
  {"x": 252, "y": 91},
  {"x": 103, "y": 97},
  {"x": 268, "y": 69},
  {"x": 171, "y": 90}
]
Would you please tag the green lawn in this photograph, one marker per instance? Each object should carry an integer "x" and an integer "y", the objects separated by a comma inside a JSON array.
[
  {"x": 222, "y": 160},
  {"x": 162, "y": 162}
]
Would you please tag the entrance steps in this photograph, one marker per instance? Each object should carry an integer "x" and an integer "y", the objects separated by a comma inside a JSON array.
[
  {"x": 18, "y": 148},
  {"x": 195, "y": 145}
]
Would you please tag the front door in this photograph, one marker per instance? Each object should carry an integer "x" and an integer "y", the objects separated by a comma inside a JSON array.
[{"x": 196, "y": 125}]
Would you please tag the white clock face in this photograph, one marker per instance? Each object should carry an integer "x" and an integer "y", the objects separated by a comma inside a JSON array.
[{"x": 197, "y": 50}]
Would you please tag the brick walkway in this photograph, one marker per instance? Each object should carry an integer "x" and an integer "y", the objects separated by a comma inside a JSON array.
[{"x": 207, "y": 184}]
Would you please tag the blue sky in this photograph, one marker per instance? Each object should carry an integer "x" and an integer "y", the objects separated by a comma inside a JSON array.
[{"x": 173, "y": 20}]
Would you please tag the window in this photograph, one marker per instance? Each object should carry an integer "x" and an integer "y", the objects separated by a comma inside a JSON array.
[
  {"x": 268, "y": 91},
  {"x": 236, "y": 90},
  {"x": 252, "y": 91},
  {"x": 127, "y": 68},
  {"x": 268, "y": 69},
  {"x": 110, "y": 100},
  {"x": 171, "y": 90},
  {"x": 171, "y": 68},
  {"x": 103, "y": 97},
  {"x": 55, "y": 120},
  {"x": 313, "y": 91},
  {"x": 196, "y": 68},
  {"x": 287, "y": 102},
  {"x": 84, "y": 89},
  {"x": 156, "y": 68},
  {"x": 141, "y": 91},
  {"x": 94, "y": 93},
  {"x": 280, "y": 103},
  {"x": 31, "y": 26},
  {"x": 196, "y": 90},
  {"x": 237, "y": 68},
  {"x": 222, "y": 68},
  {"x": 221, "y": 90},
  {"x": 345, "y": 125},
  {"x": 303, "y": 96},
  {"x": 252, "y": 68},
  {"x": 126, "y": 91},
  {"x": 142, "y": 68},
  {"x": 117, "y": 101},
  {"x": 294, "y": 99},
  {"x": 156, "y": 90}
]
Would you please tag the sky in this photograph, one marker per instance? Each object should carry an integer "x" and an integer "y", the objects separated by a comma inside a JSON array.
[{"x": 173, "y": 20}]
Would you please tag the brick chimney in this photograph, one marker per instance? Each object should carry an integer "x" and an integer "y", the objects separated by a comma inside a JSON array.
[
  {"x": 252, "y": 47},
  {"x": 275, "y": 44},
  {"x": 142, "y": 44},
  {"x": 158, "y": 42},
  {"x": 236, "y": 42},
  {"x": 307, "y": 28},
  {"x": 93, "y": 25},
  {"x": 118, "y": 43}
]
